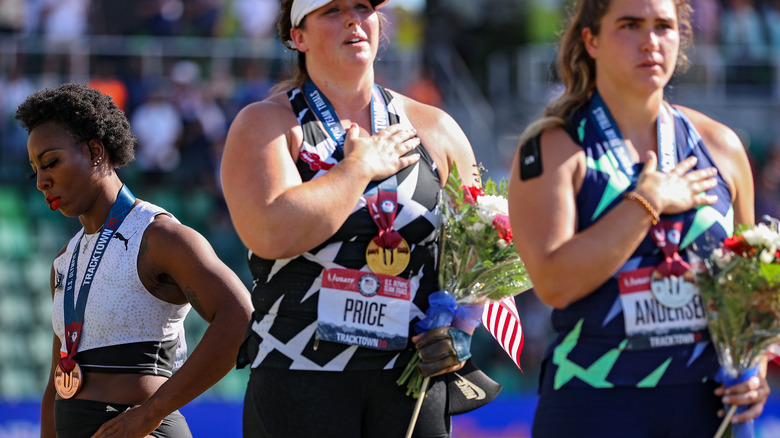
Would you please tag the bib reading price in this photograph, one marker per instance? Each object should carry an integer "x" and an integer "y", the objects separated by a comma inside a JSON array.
[{"x": 366, "y": 309}]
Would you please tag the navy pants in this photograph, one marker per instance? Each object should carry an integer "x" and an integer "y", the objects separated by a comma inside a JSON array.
[{"x": 688, "y": 411}]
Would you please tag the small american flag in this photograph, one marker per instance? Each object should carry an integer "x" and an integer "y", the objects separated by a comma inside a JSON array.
[{"x": 500, "y": 318}]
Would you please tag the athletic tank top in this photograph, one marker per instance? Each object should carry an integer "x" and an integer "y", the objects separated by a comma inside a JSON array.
[
  {"x": 126, "y": 328},
  {"x": 591, "y": 347},
  {"x": 286, "y": 292}
]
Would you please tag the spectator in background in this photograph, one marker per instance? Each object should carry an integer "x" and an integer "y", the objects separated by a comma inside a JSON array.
[
  {"x": 256, "y": 18},
  {"x": 202, "y": 16},
  {"x": 12, "y": 16},
  {"x": 424, "y": 89},
  {"x": 14, "y": 88},
  {"x": 157, "y": 124},
  {"x": 195, "y": 101},
  {"x": 771, "y": 14},
  {"x": 64, "y": 23},
  {"x": 161, "y": 17},
  {"x": 204, "y": 122},
  {"x": 256, "y": 83},
  {"x": 706, "y": 22},
  {"x": 742, "y": 31},
  {"x": 106, "y": 81}
]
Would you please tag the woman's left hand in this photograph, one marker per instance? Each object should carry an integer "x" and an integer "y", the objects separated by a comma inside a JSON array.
[
  {"x": 752, "y": 392},
  {"x": 132, "y": 423},
  {"x": 442, "y": 350}
]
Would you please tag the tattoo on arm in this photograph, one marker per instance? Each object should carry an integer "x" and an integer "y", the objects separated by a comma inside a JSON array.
[{"x": 193, "y": 299}]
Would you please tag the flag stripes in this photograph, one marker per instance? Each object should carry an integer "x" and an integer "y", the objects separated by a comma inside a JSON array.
[{"x": 501, "y": 319}]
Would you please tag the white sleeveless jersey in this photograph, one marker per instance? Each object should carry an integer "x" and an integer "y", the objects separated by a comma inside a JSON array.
[{"x": 126, "y": 328}]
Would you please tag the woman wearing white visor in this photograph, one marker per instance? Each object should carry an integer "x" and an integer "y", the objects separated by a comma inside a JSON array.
[{"x": 332, "y": 184}]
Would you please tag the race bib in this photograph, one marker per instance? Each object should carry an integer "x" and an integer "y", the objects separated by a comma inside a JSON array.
[
  {"x": 362, "y": 308},
  {"x": 651, "y": 324}
]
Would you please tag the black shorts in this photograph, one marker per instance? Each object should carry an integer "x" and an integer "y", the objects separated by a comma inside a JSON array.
[
  {"x": 666, "y": 411},
  {"x": 347, "y": 404},
  {"x": 75, "y": 418}
]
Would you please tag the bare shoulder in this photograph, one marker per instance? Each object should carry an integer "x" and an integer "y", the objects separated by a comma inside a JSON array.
[
  {"x": 257, "y": 126},
  {"x": 275, "y": 108},
  {"x": 558, "y": 161},
  {"x": 731, "y": 160},
  {"x": 168, "y": 237},
  {"x": 719, "y": 138},
  {"x": 560, "y": 153}
]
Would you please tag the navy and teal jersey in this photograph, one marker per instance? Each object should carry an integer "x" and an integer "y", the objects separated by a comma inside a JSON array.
[{"x": 591, "y": 348}]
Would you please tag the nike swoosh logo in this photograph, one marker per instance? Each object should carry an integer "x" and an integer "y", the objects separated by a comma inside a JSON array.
[
  {"x": 110, "y": 408},
  {"x": 469, "y": 389}
]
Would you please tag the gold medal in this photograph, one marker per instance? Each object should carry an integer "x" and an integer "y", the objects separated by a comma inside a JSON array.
[
  {"x": 67, "y": 384},
  {"x": 388, "y": 261}
]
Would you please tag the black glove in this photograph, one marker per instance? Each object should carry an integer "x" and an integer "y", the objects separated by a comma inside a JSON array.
[{"x": 441, "y": 348}]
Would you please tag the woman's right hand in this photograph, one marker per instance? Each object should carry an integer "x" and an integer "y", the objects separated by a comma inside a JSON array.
[
  {"x": 382, "y": 154},
  {"x": 679, "y": 190}
]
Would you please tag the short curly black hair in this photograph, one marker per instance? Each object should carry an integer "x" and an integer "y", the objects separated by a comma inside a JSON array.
[{"x": 87, "y": 113}]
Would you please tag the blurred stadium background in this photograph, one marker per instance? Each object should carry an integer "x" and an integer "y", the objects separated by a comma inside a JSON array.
[{"x": 181, "y": 69}]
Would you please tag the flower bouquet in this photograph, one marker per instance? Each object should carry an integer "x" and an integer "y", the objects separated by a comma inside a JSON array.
[
  {"x": 477, "y": 262},
  {"x": 740, "y": 286}
]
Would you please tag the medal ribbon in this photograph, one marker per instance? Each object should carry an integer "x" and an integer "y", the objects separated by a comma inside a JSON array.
[
  {"x": 602, "y": 119},
  {"x": 381, "y": 200},
  {"x": 666, "y": 235},
  {"x": 326, "y": 114},
  {"x": 74, "y": 312}
]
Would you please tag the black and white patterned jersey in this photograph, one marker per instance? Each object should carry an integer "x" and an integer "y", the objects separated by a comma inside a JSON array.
[{"x": 286, "y": 291}]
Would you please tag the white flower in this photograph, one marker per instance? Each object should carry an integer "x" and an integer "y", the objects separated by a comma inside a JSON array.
[
  {"x": 761, "y": 236},
  {"x": 767, "y": 256},
  {"x": 722, "y": 258},
  {"x": 476, "y": 227},
  {"x": 498, "y": 204},
  {"x": 501, "y": 243},
  {"x": 488, "y": 206}
]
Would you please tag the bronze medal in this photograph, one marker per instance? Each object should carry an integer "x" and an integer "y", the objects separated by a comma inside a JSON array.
[
  {"x": 67, "y": 384},
  {"x": 388, "y": 261},
  {"x": 673, "y": 291}
]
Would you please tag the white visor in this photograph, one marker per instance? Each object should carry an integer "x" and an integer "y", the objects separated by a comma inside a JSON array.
[{"x": 301, "y": 8}]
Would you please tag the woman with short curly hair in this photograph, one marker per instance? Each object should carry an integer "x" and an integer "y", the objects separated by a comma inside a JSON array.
[{"x": 123, "y": 284}]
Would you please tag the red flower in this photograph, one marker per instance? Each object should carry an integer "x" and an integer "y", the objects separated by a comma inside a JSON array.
[
  {"x": 471, "y": 194},
  {"x": 501, "y": 223},
  {"x": 738, "y": 245}
]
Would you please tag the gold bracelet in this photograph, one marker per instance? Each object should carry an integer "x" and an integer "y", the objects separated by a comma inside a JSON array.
[{"x": 634, "y": 196}]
